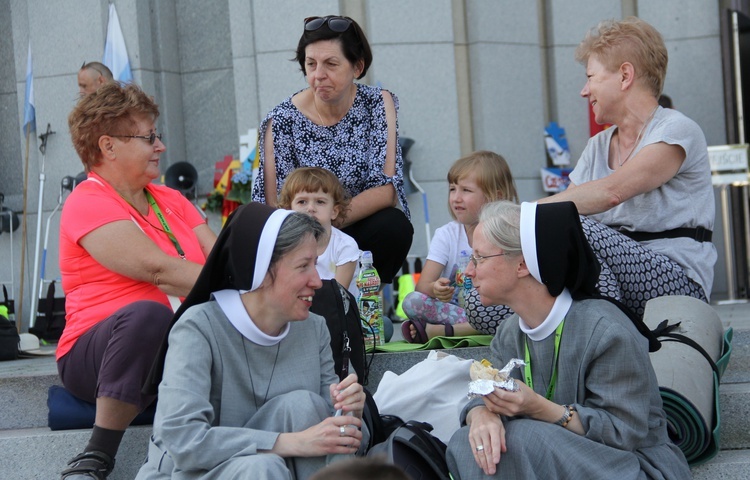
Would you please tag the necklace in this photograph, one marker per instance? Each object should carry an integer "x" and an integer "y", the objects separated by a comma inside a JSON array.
[
  {"x": 637, "y": 138},
  {"x": 270, "y": 379},
  {"x": 351, "y": 103}
]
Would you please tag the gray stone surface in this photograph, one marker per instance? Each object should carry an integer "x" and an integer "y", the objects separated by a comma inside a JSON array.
[
  {"x": 38, "y": 454},
  {"x": 216, "y": 68},
  {"x": 23, "y": 385},
  {"x": 727, "y": 465}
]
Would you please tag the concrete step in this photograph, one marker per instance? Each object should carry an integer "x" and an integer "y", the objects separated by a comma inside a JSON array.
[
  {"x": 38, "y": 453},
  {"x": 727, "y": 465},
  {"x": 23, "y": 416}
]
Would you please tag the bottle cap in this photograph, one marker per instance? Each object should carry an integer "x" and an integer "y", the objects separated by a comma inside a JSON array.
[{"x": 366, "y": 256}]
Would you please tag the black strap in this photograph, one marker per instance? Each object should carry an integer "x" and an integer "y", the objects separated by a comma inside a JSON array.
[
  {"x": 49, "y": 307},
  {"x": 665, "y": 330},
  {"x": 346, "y": 350},
  {"x": 431, "y": 446},
  {"x": 699, "y": 234}
]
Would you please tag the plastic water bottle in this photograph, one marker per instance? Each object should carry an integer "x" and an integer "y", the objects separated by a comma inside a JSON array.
[
  {"x": 463, "y": 263},
  {"x": 369, "y": 302}
]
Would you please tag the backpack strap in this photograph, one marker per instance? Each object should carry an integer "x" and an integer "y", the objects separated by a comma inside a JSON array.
[
  {"x": 346, "y": 349},
  {"x": 431, "y": 448},
  {"x": 50, "y": 306}
]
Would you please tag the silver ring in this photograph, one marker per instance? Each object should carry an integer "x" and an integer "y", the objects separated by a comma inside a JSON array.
[
  {"x": 480, "y": 448},
  {"x": 342, "y": 431}
]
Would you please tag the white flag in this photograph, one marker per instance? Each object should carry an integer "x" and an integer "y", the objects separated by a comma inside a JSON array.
[
  {"x": 29, "y": 109},
  {"x": 115, "y": 53}
]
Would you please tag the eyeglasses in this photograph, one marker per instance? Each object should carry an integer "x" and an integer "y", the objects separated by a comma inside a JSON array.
[
  {"x": 477, "y": 259},
  {"x": 151, "y": 138},
  {"x": 335, "y": 23}
]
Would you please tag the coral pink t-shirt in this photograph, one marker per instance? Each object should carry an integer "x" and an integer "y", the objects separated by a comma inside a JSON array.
[{"x": 93, "y": 292}]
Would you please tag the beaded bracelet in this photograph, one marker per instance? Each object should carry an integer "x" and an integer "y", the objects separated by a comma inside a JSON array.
[{"x": 567, "y": 415}]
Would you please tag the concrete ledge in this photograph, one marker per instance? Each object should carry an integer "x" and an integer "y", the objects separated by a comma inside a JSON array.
[
  {"x": 24, "y": 401},
  {"x": 40, "y": 454},
  {"x": 727, "y": 465},
  {"x": 735, "y": 416}
]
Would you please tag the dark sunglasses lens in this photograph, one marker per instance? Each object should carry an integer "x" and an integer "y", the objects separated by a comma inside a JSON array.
[
  {"x": 338, "y": 25},
  {"x": 314, "y": 23}
]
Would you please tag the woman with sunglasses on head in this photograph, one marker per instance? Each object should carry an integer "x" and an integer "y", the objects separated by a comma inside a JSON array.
[
  {"x": 128, "y": 250},
  {"x": 588, "y": 402},
  {"x": 248, "y": 387},
  {"x": 348, "y": 128}
]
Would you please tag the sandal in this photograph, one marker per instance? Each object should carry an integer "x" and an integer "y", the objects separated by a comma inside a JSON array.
[
  {"x": 419, "y": 327},
  {"x": 89, "y": 465}
]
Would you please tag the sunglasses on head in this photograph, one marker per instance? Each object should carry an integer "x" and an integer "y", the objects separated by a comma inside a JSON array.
[{"x": 335, "y": 23}]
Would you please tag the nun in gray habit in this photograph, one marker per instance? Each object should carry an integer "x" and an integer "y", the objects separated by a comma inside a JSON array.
[
  {"x": 248, "y": 388},
  {"x": 588, "y": 403}
]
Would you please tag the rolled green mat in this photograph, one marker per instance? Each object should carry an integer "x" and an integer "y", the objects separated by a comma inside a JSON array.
[
  {"x": 689, "y": 387},
  {"x": 686, "y": 426}
]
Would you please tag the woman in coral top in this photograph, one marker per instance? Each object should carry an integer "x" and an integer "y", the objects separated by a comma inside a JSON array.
[{"x": 128, "y": 250}]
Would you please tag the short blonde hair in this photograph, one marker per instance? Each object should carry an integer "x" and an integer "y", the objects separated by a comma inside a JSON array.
[
  {"x": 111, "y": 110},
  {"x": 312, "y": 179},
  {"x": 630, "y": 40},
  {"x": 491, "y": 172}
]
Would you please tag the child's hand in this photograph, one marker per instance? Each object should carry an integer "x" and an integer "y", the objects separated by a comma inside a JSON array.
[{"x": 442, "y": 290}]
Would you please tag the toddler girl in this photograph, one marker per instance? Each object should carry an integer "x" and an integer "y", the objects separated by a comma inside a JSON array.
[{"x": 318, "y": 193}]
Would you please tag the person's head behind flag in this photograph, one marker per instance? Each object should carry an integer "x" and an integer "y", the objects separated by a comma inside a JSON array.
[{"x": 91, "y": 76}]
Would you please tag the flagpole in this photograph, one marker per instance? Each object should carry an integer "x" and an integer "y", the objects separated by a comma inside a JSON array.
[
  {"x": 19, "y": 314},
  {"x": 36, "y": 284}
]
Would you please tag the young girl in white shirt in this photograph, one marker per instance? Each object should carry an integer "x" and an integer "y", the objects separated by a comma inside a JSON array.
[
  {"x": 432, "y": 309},
  {"x": 318, "y": 193}
]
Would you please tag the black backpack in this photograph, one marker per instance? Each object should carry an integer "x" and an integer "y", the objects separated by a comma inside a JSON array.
[
  {"x": 8, "y": 333},
  {"x": 339, "y": 307},
  {"x": 50, "y": 319},
  {"x": 413, "y": 448}
]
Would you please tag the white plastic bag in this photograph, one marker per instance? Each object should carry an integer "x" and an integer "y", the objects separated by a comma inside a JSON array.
[{"x": 432, "y": 391}]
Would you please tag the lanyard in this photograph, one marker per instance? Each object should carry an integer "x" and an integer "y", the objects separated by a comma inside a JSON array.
[
  {"x": 164, "y": 224},
  {"x": 527, "y": 359}
]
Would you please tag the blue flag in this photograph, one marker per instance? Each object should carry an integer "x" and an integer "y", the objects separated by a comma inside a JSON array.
[
  {"x": 115, "y": 53},
  {"x": 29, "y": 111}
]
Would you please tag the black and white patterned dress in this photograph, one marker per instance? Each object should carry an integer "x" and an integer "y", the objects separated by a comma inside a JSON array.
[{"x": 354, "y": 149}]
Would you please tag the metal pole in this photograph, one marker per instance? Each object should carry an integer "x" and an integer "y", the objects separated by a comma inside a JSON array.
[
  {"x": 728, "y": 243},
  {"x": 35, "y": 274},
  {"x": 738, "y": 78}
]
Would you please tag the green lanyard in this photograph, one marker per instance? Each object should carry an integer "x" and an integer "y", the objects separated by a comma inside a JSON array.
[
  {"x": 164, "y": 224},
  {"x": 527, "y": 359}
]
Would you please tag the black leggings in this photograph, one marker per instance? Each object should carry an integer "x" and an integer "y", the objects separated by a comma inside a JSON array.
[{"x": 388, "y": 235}]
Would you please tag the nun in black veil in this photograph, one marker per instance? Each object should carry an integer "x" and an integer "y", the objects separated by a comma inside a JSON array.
[
  {"x": 248, "y": 387},
  {"x": 588, "y": 403}
]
